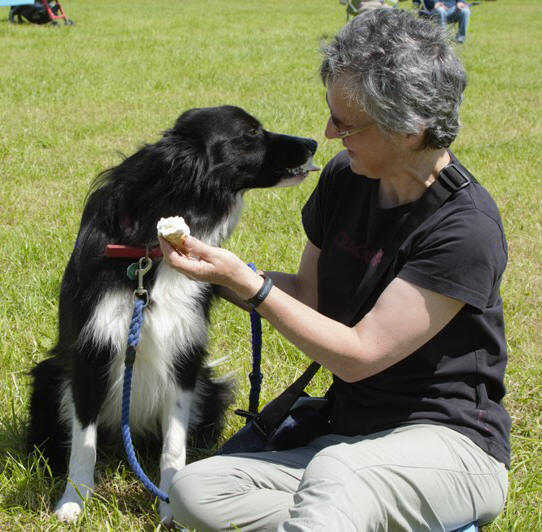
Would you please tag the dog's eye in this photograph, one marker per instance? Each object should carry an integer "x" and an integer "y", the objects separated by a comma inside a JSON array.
[{"x": 253, "y": 131}]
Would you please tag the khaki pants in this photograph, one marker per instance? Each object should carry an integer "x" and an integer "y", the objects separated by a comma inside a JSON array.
[{"x": 417, "y": 477}]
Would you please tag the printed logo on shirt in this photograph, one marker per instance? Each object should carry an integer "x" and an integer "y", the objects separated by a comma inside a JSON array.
[{"x": 358, "y": 250}]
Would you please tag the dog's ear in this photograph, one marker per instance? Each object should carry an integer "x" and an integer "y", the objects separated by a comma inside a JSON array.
[
  {"x": 105, "y": 208},
  {"x": 185, "y": 163}
]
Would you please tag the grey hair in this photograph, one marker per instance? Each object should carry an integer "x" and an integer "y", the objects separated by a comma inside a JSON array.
[{"x": 400, "y": 70}]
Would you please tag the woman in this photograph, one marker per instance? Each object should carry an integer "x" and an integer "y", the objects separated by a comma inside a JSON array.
[{"x": 418, "y": 435}]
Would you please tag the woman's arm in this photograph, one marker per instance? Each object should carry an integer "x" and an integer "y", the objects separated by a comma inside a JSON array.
[
  {"x": 403, "y": 319},
  {"x": 301, "y": 285}
]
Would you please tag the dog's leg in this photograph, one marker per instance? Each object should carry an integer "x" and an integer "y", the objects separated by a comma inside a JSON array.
[
  {"x": 84, "y": 399},
  {"x": 175, "y": 420},
  {"x": 81, "y": 471}
]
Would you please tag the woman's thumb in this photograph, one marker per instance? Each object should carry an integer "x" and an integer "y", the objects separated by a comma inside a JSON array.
[{"x": 196, "y": 247}]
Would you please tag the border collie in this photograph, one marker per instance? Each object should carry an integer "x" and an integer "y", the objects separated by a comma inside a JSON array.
[{"x": 199, "y": 169}]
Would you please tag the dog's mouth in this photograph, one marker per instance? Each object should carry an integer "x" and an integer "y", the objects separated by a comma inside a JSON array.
[{"x": 298, "y": 174}]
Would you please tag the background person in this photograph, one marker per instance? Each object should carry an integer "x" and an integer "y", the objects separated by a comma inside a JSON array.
[
  {"x": 450, "y": 11},
  {"x": 418, "y": 437}
]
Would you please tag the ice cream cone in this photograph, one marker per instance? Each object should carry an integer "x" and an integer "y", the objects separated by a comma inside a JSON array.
[
  {"x": 177, "y": 240},
  {"x": 175, "y": 230}
]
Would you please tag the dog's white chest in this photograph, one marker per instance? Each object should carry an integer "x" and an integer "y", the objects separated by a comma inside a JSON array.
[{"x": 173, "y": 323}]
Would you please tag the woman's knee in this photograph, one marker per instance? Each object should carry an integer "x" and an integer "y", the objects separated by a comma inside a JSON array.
[
  {"x": 195, "y": 495},
  {"x": 335, "y": 474},
  {"x": 331, "y": 490},
  {"x": 184, "y": 497}
]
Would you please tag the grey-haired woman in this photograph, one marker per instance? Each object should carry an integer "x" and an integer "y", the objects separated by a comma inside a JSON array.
[{"x": 418, "y": 437}]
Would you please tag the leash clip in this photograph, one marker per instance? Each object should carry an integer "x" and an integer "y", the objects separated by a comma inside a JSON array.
[{"x": 145, "y": 264}]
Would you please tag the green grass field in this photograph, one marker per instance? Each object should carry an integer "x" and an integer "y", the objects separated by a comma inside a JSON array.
[{"x": 73, "y": 99}]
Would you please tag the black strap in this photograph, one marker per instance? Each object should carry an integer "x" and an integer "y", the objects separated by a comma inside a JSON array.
[
  {"x": 451, "y": 179},
  {"x": 277, "y": 409}
]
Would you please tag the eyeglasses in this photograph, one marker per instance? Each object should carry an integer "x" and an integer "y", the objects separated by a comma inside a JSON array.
[{"x": 348, "y": 132}]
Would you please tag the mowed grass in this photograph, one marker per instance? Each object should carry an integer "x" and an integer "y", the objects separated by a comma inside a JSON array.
[{"x": 73, "y": 99}]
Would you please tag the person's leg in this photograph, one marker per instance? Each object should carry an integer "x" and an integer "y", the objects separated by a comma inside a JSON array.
[
  {"x": 463, "y": 20},
  {"x": 462, "y": 17},
  {"x": 249, "y": 491},
  {"x": 439, "y": 13},
  {"x": 420, "y": 477}
]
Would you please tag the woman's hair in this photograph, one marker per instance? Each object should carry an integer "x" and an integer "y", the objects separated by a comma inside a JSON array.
[{"x": 400, "y": 70}]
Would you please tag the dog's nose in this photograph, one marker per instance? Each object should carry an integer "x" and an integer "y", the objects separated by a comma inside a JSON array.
[
  {"x": 311, "y": 144},
  {"x": 291, "y": 141}
]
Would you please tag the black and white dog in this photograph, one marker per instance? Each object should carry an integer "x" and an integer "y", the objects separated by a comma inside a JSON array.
[{"x": 199, "y": 169}]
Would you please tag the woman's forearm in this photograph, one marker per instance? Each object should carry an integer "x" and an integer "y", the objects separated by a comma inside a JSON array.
[
  {"x": 332, "y": 344},
  {"x": 287, "y": 282}
]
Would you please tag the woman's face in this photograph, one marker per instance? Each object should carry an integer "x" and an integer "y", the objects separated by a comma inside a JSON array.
[{"x": 372, "y": 153}]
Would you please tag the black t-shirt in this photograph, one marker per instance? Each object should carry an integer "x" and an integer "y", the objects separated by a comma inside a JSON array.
[{"x": 455, "y": 379}]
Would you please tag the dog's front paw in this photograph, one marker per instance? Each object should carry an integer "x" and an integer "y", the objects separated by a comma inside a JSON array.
[
  {"x": 68, "y": 511},
  {"x": 166, "y": 514}
]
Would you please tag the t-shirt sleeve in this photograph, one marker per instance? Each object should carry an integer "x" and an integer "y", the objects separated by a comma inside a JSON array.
[{"x": 463, "y": 258}]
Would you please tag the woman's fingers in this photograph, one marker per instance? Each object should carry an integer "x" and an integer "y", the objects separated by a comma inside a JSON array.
[
  {"x": 219, "y": 266},
  {"x": 183, "y": 261},
  {"x": 193, "y": 246},
  {"x": 201, "y": 261}
]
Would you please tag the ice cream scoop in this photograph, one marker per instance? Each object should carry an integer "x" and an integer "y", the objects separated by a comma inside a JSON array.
[{"x": 174, "y": 229}]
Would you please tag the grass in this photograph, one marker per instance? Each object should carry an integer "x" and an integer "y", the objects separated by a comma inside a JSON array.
[{"x": 74, "y": 98}]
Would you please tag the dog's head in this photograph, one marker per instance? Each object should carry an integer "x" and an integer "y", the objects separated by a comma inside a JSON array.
[
  {"x": 231, "y": 148},
  {"x": 199, "y": 169}
]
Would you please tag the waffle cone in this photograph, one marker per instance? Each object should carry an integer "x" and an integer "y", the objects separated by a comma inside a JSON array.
[{"x": 177, "y": 241}]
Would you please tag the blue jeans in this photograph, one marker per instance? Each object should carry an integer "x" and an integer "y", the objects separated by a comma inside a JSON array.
[{"x": 454, "y": 14}]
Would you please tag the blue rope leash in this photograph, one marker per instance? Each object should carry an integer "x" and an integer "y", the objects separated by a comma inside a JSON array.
[
  {"x": 255, "y": 375},
  {"x": 133, "y": 341}
]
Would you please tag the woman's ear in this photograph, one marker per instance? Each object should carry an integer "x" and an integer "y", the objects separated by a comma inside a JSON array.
[{"x": 414, "y": 141}]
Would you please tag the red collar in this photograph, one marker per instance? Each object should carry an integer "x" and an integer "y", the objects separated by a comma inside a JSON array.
[{"x": 117, "y": 251}]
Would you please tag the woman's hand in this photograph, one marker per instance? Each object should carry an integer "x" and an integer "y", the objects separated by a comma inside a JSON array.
[{"x": 210, "y": 264}]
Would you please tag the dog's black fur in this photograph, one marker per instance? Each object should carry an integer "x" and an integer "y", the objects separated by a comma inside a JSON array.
[{"x": 199, "y": 169}]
